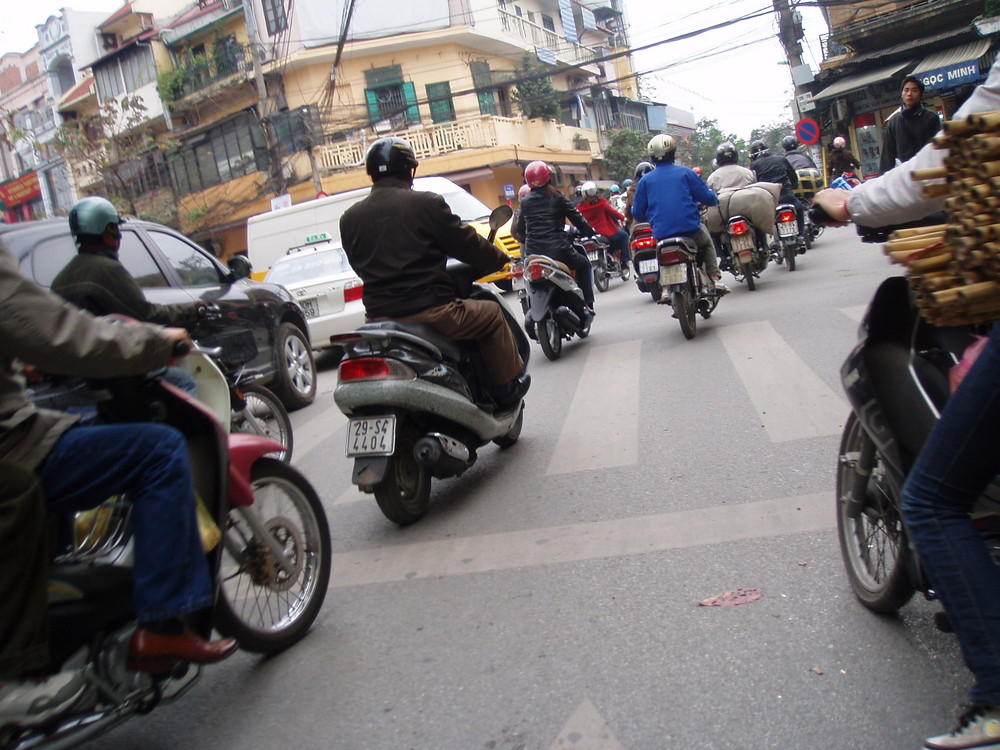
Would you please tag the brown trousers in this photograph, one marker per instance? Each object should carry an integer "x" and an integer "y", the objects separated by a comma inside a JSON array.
[
  {"x": 480, "y": 321},
  {"x": 23, "y": 573}
]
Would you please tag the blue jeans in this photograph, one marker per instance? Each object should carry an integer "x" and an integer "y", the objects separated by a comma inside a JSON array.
[
  {"x": 960, "y": 459},
  {"x": 619, "y": 243},
  {"x": 149, "y": 461}
]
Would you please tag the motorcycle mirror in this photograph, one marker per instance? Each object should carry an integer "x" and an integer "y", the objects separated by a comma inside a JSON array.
[{"x": 500, "y": 216}]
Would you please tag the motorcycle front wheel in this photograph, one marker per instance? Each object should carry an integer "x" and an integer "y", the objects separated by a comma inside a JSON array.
[
  {"x": 404, "y": 494},
  {"x": 263, "y": 603},
  {"x": 550, "y": 337},
  {"x": 264, "y": 415},
  {"x": 874, "y": 544},
  {"x": 684, "y": 308}
]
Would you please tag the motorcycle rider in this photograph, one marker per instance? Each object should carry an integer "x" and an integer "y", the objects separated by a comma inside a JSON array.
[
  {"x": 642, "y": 168},
  {"x": 841, "y": 158},
  {"x": 770, "y": 167},
  {"x": 728, "y": 175},
  {"x": 96, "y": 281},
  {"x": 398, "y": 240},
  {"x": 908, "y": 128},
  {"x": 796, "y": 158},
  {"x": 958, "y": 461},
  {"x": 670, "y": 197},
  {"x": 617, "y": 198},
  {"x": 74, "y": 468},
  {"x": 544, "y": 212},
  {"x": 603, "y": 217},
  {"x": 521, "y": 192}
]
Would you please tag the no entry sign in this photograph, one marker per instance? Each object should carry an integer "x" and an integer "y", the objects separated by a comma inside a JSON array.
[{"x": 807, "y": 131}]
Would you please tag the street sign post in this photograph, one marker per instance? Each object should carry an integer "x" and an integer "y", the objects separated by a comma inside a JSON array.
[{"x": 807, "y": 131}]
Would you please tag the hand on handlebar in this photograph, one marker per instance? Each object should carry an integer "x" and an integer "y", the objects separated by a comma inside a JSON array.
[
  {"x": 830, "y": 207},
  {"x": 182, "y": 342}
]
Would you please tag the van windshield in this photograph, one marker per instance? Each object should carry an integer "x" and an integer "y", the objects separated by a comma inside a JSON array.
[{"x": 466, "y": 206}]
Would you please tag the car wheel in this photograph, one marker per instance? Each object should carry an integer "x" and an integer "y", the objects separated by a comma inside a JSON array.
[{"x": 295, "y": 378}]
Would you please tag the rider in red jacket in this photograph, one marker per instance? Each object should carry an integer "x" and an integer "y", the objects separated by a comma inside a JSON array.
[{"x": 603, "y": 217}]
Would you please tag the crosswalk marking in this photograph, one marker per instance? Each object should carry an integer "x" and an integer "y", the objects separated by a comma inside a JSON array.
[
  {"x": 601, "y": 429},
  {"x": 855, "y": 313},
  {"x": 586, "y": 730},
  {"x": 792, "y": 401},
  {"x": 585, "y": 541}
]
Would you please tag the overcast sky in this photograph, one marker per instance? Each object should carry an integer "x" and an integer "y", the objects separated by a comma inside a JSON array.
[{"x": 738, "y": 81}]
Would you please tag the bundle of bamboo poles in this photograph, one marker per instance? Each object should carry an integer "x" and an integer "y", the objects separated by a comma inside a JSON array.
[{"x": 954, "y": 268}]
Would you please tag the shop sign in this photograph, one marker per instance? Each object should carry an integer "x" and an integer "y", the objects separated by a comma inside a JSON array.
[
  {"x": 951, "y": 76},
  {"x": 20, "y": 189}
]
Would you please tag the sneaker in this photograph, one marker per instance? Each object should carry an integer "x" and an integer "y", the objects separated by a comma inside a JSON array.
[
  {"x": 721, "y": 289},
  {"x": 30, "y": 703},
  {"x": 978, "y": 727}
]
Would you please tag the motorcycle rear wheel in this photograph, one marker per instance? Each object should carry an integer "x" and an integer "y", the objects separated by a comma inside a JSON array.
[
  {"x": 790, "y": 253},
  {"x": 873, "y": 545},
  {"x": 684, "y": 307},
  {"x": 264, "y": 415},
  {"x": 404, "y": 494},
  {"x": 748, "y": 275},
  {"x": 601, "y": 279},
  {"x": 550, "y": 337},
  {"x": 266, "y": 608}
]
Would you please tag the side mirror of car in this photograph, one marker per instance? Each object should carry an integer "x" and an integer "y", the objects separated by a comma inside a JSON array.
[
  {"x": 500, "y": 216},
  {"x": 240, "y": 266}
]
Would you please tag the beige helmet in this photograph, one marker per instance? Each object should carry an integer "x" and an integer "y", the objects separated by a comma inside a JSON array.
[
  {"x": 662, "y": 147},
  {"x": 589, "y": 188}
]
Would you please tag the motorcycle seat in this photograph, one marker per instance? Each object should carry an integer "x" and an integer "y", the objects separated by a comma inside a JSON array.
[
  {"x": 447, "y": 346},
  {"x": 687, "y": 242},
  {"x": 547, "y": 261}
]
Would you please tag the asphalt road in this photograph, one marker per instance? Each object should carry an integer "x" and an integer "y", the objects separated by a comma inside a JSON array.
[{"x": 550, "y": 598}]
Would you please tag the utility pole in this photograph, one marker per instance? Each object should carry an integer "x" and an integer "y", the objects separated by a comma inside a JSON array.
[{"x": 790, "y": 33}]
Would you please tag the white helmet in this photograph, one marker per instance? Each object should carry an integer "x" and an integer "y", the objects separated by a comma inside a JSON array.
[
  {"x": 839, "y": 142},
  {"x": 662, "y": 147},
  {"x": 589, "y": 189}
]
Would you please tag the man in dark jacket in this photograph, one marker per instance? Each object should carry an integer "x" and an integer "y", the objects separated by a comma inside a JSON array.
[
  {"x": 909, "y": 128},
  {"x": 398, "y": 241},
  {"x": 773, "y": 168}
]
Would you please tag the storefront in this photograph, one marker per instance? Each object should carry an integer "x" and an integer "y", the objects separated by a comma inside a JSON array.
[{"x": 21, "y": 198}]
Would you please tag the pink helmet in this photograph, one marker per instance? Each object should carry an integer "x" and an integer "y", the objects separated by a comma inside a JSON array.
[
  {"x": 537, "y": 174},
  {"x": 523, "y": 191},
  {"x": 839, "y": 142}
]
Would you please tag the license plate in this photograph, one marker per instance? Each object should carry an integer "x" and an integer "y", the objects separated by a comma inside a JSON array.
[
  {"x": 742, "y": 242},
  {"x": 371, "y": 436},
  {"x": 592, "y": 256},
  {"x": 675, "y": 274},
  {"x": 788, "y": 229},
  {"x": 517, "y": 283},
  {"x": 309, "y": 307},
  {"x": 648, "y": 266}
]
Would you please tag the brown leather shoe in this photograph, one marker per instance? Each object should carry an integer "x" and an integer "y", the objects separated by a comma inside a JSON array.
[{"x": 155, "y": 652}]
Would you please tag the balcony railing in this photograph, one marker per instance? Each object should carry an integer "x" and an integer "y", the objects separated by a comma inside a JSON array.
[
  {"x": 203, "y": 71},
  {"x": 539, "y": 36},
  {"x": 445, "y": 138}
]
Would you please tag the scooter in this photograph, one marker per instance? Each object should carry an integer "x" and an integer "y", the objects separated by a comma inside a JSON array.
[
  {"x": 747, "y": 248},
  {"x": 896, "y": 379},
  {"x": 786, "y": 243},
  {"x": 420, "y": 404},
  {"x": 605, "y": 263},
  {"x": 269, "y": 556}
]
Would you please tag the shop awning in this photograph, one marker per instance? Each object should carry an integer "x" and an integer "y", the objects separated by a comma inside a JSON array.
[
  {"x": 471, "y": 175},
  {"x": 860, "y": 80},
  {"x": 952, "y": 67},
  {"x": 575, "y": 169}
]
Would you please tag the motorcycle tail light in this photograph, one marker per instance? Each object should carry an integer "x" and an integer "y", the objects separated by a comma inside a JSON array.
[
  {"x": 640, "y": 243},
  {"x": 353, "y": 290},
  {"x": 739, "y": 227},
  {"x": 671, "y": 257},
  {"x": 517, "y": 270},
  {"x": 538, "y": 271},
  {"x": 374, "y": 368},
  {"x": 786, "y": 216}
]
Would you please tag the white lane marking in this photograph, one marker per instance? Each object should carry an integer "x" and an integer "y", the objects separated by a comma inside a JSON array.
[
  {"x": 792, "y": 401},
  {"x": 586, "y": 541},
  {"x": 602, "y": 425},
  {"x": 855, "y": 313},
  {"x": 352, "y": 495},
  {"x": 586, "y": 730}
]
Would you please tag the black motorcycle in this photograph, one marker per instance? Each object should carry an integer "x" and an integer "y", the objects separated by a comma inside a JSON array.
[{"x": 606, "y": 264}]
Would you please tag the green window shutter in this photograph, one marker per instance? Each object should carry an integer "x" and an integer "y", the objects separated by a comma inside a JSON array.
[
  {"x": 410, "y": 99},
  {"x": 487, "y": 102},
  {"x": 439, "y": 99},
  {"x": 390, "y": 75},
  {"x": 372, "y": 100}
]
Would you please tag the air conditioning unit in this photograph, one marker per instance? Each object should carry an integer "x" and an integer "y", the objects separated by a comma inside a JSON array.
[{"x": 841, "y": 110}]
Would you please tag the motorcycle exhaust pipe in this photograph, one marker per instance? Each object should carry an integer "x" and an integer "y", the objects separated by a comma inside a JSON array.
[
  {"x": 443, "y": 455},
  {"x": 567, "y": 318}
]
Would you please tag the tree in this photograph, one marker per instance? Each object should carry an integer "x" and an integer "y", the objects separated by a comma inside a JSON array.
[
  {"x": 627, "y": 148},
  {"x": 698, "y": 150},
  {"x": 772, "y": 133},
  {"x": 536, "y": 96},
  {"x": 118, "y": 143}
]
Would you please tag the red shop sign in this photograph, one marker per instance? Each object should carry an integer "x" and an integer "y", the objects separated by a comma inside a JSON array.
[{"x": 20, "y": 189}]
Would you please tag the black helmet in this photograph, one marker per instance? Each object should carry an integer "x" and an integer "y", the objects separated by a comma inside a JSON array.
[
  {"x": 726, "y": 153},
  {"x": 389, "y": 156},
  {"x": 643, "y": 167},
  {"x": 758, "y": 148},
  {"x": 789, "y": 143}
]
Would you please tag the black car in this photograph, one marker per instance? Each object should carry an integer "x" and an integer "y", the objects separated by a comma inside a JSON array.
[{"x": 171, "y": 269}]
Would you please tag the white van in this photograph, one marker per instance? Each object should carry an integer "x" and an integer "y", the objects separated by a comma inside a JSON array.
[{"x": 274, "y": 234}]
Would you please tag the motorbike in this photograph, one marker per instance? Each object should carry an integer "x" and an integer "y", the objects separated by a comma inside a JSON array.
[
  {"x": 605, "y": 263},
  {"x": 810, "y": 183},
  {"x": 647, "y": 268},
  {"x": 785, "y": 247},
  {"x": 271, "y": 566},
  {"x": 747, "y": 249},
  {"x": 420, "y": 404},
  {"x": 679, "y": 276},
  {"x": 896, "y": 379}
]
